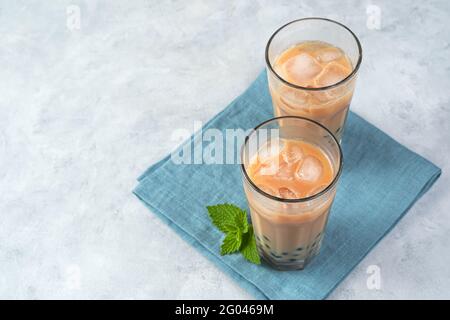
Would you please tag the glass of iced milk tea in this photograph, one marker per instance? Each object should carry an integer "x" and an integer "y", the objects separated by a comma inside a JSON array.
[
  {"x": 290, "y": 167},
  {"x": 312, "y": 66}
]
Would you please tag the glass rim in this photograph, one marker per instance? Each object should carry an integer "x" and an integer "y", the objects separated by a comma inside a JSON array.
[
  {"x": 350, "y": 76},
  {"x": 296, "y": 200}
]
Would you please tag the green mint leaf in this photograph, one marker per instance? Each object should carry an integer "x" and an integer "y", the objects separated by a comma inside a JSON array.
[
  {"x": 248, "y": 247},
  {"x": 227, "y": 217},
  {"x": 239, "y": 235},
  {"x": 243, "y": 222},
  {"x": 231, "y": 243}
]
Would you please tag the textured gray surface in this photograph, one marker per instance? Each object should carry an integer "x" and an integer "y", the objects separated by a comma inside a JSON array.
[{"x": 84, "y": 111}]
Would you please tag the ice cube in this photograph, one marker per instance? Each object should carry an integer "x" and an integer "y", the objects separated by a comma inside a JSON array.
[
  {"x": 270, "y": 150},
  {"x": 292, "y": 154},
  {"x": 286, "y": 193},
  {"x": 315, "y": 190},
  {"x": 330, "y": 94},
  {"x": 328, "y": 54},
  {"x": 337, "y": 92},
  {"x": 321, "y": 96},
  {"x": 284, "y": 172},
  {"x": 331, "y": 74},
  {"x": 294, "y": 98},
  {"x": 310, "y": 169},
  {"x": 268, "y": 168},
  {"x": 267, "y": 189},
  {"x": 301, "y": 69}
]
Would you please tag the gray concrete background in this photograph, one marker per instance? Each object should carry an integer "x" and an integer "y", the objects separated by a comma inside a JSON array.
[{"x": 83, "y": 111}]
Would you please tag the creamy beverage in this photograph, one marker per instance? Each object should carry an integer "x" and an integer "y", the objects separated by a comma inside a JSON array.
[
  {"x": 314, "y": 64},
  {"x": 297, "y": 170},
  {"x": 290, "y": 189},
  {"x": 312, "y": 68}
]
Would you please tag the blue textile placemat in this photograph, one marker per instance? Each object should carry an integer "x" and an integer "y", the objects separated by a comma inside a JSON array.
[{"x": 381, "y": 180}]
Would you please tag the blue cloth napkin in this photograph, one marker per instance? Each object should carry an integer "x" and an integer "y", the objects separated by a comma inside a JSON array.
[{"x": 381, "y": 180}]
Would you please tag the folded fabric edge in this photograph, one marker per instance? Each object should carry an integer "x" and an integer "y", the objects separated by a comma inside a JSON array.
[
  {"x": 435, "y": 172},
  {"x": 252, "y": 288},
  {"x": 420, "y": 193},
  {"x": 385, "y": 134},
  {"x": 235, "y": 275}
]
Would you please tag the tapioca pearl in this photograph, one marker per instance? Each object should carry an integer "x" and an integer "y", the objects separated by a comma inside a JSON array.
[
  {"x": 285, "y": 253},
  {"x": 273, "y": 254},
  {"x": 267, "y": 246},
  {"x": 266, "y": 238},
  {"x": 299, "y": 249}
]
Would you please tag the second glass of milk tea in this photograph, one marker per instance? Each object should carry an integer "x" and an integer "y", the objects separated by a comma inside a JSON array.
[{"x": 312, "y": 65}]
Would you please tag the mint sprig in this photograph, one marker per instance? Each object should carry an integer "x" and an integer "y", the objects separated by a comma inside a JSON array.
[
  {"x": 239, "y": 234},
  {"x": 248, "y": 247}
]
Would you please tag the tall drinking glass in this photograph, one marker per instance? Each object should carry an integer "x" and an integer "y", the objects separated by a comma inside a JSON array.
[
  {"x": 289, "y": 225},
  {"x": 312, "y": 65}
]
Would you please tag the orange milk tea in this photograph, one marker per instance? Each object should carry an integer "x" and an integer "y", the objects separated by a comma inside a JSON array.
[
  {"x": 313, "y": 64},
  {"x": 291, "y": 169}
]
